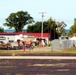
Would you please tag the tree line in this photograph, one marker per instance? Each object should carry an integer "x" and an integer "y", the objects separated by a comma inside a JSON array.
[
  {"x": 72, "y": 29},
  {"x": 22, "y": 18}
]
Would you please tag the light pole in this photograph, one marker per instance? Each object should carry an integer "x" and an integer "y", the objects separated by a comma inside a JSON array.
[{"x": 42, "y": 24}]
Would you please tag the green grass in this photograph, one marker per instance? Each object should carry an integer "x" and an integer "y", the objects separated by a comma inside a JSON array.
[
  {"x": 71, "y": 50},
  {"x": 27, "y": 52},
  {"x": 19, "y": 52}
]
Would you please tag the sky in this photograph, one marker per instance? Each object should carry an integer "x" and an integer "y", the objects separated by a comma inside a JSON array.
[{"x": 59, "y": 10}]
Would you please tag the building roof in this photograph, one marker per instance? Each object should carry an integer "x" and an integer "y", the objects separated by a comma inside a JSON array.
[{"x": 37, "y": 35}]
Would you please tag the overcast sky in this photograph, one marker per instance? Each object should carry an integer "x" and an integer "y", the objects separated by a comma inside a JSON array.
[{"x": 60, "y": 10}]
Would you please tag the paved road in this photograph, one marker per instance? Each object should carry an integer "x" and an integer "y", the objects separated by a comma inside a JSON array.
[
  {"x": 38, "y": 57},
  {"x": 38, "y": 66}
]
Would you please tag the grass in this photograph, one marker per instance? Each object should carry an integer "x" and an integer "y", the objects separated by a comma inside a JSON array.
[
  {"x": 70, "y": 50},
  {"x": 37, "y": 51},
  {"x": 21, "y": 52}
]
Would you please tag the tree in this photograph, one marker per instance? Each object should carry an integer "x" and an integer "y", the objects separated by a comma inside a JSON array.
[
  {"x": 1, "y": 29},
  {"x": 56, "y": 28},
  {"x": 50, "y": 26},
  {"x": 37, "y": 27},
  {"x": 18, "y": 20},
  {"x": 61, "y": 28},
  {"x": 72, "y": 28},
  {"x": 71, "y": 31}
]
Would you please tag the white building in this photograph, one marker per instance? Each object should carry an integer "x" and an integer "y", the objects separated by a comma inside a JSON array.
[{"x": 13, "y": 37}]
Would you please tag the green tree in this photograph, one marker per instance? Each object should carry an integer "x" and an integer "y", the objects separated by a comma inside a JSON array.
[
  {"x": 72, "y": 29},
  {"x": 52, "y": 27},
  {"x": 18, "y": 20},
  {"x": 37, "y": 27},
  {"x": 55, "y": 29},
  {"x": 1, "y": 29},
  {"x": 47, "y": 28}
]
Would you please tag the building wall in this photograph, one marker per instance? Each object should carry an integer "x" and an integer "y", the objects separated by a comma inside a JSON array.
[{"x": 6, "y": 38}]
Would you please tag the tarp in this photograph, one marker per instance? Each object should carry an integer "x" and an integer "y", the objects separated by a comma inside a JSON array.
[{"x": 73, "y": 38}]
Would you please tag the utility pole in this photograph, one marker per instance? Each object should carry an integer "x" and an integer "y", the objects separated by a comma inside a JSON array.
[
  {"x": 50, "y": 28},
  {"x": 42, "y": 23}
]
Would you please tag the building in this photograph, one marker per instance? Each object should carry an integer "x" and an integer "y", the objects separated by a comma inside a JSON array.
[{"x": 12, "y": 37}]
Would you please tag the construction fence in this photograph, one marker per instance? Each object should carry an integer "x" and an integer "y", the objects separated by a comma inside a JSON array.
[{"x": 61, "y": 44}]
